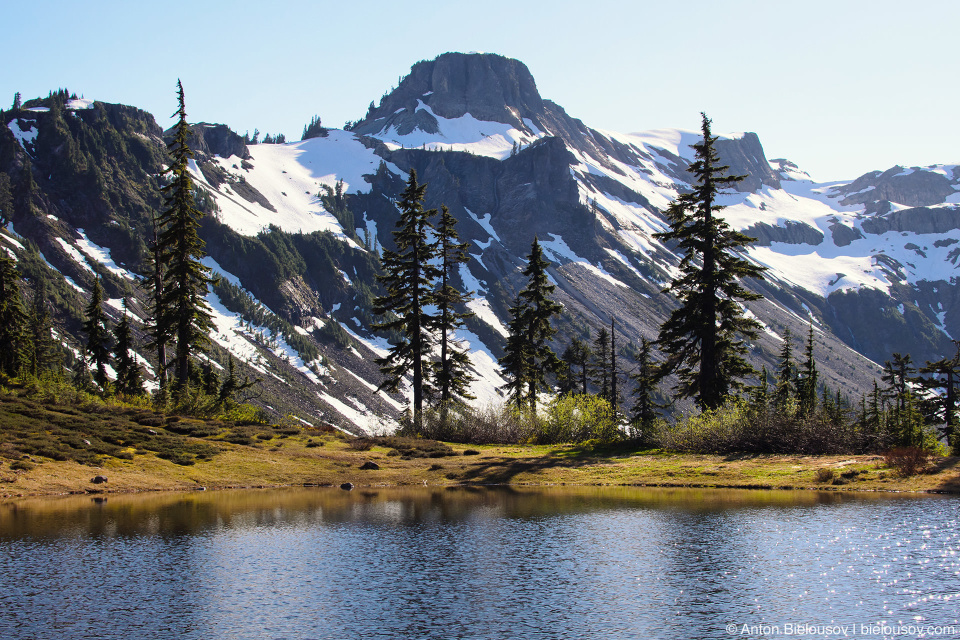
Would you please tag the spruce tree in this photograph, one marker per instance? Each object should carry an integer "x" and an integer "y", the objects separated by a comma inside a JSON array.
[
  {"x": 13, "y": 318},
  {"x": 541, "y": 308},
  {"x": 943, "y": 375},
  {"x": 129, "y": 376},
  {"x": 451, "y": 375},
  {"x": 705, "y": 337},
  {"x": 6, "y": 199},
  {"x": 576, "y": 360},
  {"x": 808, "y": 380},
  {"x": 601, "y": 363},
  {"x": 784, "y": 391},
  {"x": 408, "y": 280},
  {"x": 614, "y": 390},
  {"x": 184, "y": 315},
  {"x": 41, "y": 347},
  {"x": 97, "y": 347},
  {"x": 159, "y": 335},
  {"x": 517, "y": 360},
  {"x": 645, "y": 405}
]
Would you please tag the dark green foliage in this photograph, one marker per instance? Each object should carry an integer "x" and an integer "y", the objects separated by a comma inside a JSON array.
[
  {"x": 97, "y": 346},
  {"x": 408, "y": 280},
  {"x": 451, "y": 373},
  {"x": 807, "y": 380},
  {"x": 600, "y": 369},
  {"x": 314, "y": 129},
  {"x": 13, "y": 318},
  {"x": 705, "y": 338},
  {"x": 183, "y": 315},
  {"x": 942, "y": 376},
  {"x": 537, "y": 309},
  {"x": 646, "y": 408},
  {"x": 232, "y": 385},
  {"x": 129, "y": 376},
  {"x": 6, "y": 198},
  {"x": 517, "y": 360},
  {"x": 576, "y": 360},
  {"x": 785, "y": 388},
  {"x": 41, "y": 355},
  {"x": 60, "y": 425},
  {"x": 334, "y": 201}
]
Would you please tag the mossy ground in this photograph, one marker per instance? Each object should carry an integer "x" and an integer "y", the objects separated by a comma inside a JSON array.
[{"x": 44, "y": 450}]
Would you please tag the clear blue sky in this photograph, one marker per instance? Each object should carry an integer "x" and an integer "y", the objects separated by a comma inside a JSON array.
[{"x": 839, "y": 87}]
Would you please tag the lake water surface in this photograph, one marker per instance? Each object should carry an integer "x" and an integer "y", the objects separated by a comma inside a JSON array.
[{"x": 489, "y": 563}]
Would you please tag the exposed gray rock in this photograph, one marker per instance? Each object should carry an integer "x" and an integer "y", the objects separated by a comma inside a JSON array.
[
  {"x": 98, "y": 479},
  {"x": 745, "y": 156},
  {"x": 369, "y": 464},
  {"x": 790, "y": 233},
  {"x": 347, "y": 486},
  {"x": 215, "y": 140},
  {"x": 916, "y": 220},
  {"x": 918, "y": 188},
  {"x": 844, "y": 235}
]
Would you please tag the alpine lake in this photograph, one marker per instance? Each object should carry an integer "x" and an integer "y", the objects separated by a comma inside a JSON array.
[{"x": 491, "y": 563}]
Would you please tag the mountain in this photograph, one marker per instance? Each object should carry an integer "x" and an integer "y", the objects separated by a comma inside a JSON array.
[{"x": 869, "y": 263}]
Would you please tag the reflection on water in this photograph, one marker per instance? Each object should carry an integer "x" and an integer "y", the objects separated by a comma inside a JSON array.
[{"x": 468, "y": 563}]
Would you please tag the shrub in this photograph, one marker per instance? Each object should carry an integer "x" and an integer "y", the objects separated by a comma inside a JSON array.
[
  {"x": 823, "y": 475},
  {"x": 907, "y": 461},
  {"x": 578, "y": 418},
  {"x": 721, "y": 430}
]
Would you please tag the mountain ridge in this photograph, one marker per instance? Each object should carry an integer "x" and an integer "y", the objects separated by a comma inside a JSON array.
[{"x": 528, "y": 170}]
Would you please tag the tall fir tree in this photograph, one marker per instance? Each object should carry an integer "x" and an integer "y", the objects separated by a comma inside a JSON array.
[
  {"x": 600, "y": 371},
  {"x": 785, "y": 389},
  {"x": 13, "y": 318},
  {"x": 705, "y": 337},
  {"x": 129, "y": 376},
  {"x": 807, "y": 380},
  {"x": 97, "y": 347},
  {"x": 941, "y": 378},
  {"x": 6, "y": 200},
  {"x": 159, "y": 334},
  {"x": 451, "y": 374},
  {"x": 541, "y": 309},
  {"x": 40, "y": 325},
  {"x": 645, "y": 406},
  {"x": 576, "y": 367},
  {"x": 183, "y": 314},
  {"x": 614, "y": 373},
  {"x": 408, "y": 280},
  {"x": 517, "y": 359}
]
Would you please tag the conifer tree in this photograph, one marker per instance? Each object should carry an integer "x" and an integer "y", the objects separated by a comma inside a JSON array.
[
  {"x": 645, "y": 406},
  {"x": 159, "y": 334},
  {"x": 97, "y": 348},
  {"x": 408, "y": 279},
  {"x": 184, "y": 315},
  {"x": 517, "y": 360},
  {"x": 943, "y": 375},
  {"x": 13, "y": 318},
  {"x": 539, "y": 331},
  {"x": 601, "y": 363},
  {"x": 614, "y": 391},
  {"x": 784, "y": 391},
  {"x": 41, "y": 348},
  {"x": 808, "y": 380},
  {"x": 576, "y": 360},
  {"x": 705, "y": 337},
  {"x": 129, "y": 376},
  {"x": 6, "y": 199},
  {"x": 451, "y": 375}
]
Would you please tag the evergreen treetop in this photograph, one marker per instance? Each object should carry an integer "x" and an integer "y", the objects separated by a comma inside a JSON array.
[{"x": 705, "y": 337}]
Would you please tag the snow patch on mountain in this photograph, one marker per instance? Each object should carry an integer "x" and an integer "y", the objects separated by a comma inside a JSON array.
[{"x": 466, "y": 133}]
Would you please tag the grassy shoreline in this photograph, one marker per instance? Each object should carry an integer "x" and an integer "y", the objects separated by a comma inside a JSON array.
[{"x": 331, "y": 460}]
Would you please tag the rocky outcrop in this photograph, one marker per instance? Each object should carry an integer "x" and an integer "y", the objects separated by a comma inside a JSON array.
[
  {"x": 911, "y": 187},
  {"x": 745, "y": 157},
  {"x": 844, "y": 235},
  {"x": 488, "y": 87},
  {"x": 216, "y": 140},
  {"x": 790, "y": 233},
  {"x": 917, "y": 220}
]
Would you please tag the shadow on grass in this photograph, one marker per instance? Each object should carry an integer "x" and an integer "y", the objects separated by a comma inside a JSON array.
[
  {"x": 951, "y": 484},
  {"x": 503, "y": 470}
]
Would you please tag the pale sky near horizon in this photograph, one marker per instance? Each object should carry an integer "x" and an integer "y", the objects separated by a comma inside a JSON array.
[{"x": 840, "y": 87}]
